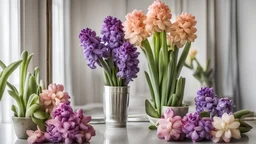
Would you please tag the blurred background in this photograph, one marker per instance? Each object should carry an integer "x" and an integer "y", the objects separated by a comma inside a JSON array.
[{"x": 225, "y": 31}]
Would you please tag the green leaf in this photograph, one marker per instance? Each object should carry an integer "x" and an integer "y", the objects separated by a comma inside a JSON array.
[
  {"x": 39, "y": 122},
  {"x": 24, "y": 57},
  {"x": 32, "y": 109},
  {"x": 152, "y": 127},
  {"x": 164, "y": 86},
  {"x": 244, "y": 129},
  {"x": 6, "y": 74},
  {"x": 242, "y": 113},
  {"x": 15, "y": 110},
  {"x": 244, "y": 124},
  {"x": 154, "y": 73},
  {"x": 33, "y": 99},
  {"x": 37, "y": 75},
  {"x": 204, "y": 114},
  {"x": 150, "y": 110},
  {"x": 40, "y": 114},
  {"x": 164, "y": 48},
  {"x": 183, "y": 57},
  {"x": 150, "y": 88},
  {"x": 12, "y": 87},
  {"x": 175, "y": 100},
  {"x": 16, "y": 97},
  {"x": 26, "y": 88}
]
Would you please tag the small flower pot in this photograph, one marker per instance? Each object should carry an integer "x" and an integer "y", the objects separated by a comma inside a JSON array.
[
  {"x": 21, "y": 125},
  {"x": 115, "y": 105},
  {"x": 179, "y": 111},
  {"x": 152, "y": 120}
]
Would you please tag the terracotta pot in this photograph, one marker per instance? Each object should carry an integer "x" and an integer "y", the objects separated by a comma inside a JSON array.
[
  {"x": 180, "y": 111},
  {"x": 21, "y": 124}
]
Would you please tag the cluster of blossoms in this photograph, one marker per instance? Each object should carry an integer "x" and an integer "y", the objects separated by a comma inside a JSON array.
[
  {"x": 196, "y": 128},
  {"x": 94, "y": 50},
  {"x": 139, "y": 26},
  {"x": 193, "y": 127},
  {"x": 111, "y": 46},
  {"x": 64, "y": 125},
  {"x": 207, "y": 100},
  {"x": 53, "y": 96}
]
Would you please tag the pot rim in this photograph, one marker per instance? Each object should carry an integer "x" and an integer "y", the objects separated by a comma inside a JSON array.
[
  {"x": 185, "y": 106},
  {"x": 116, "y": 86},
  {"x": 14, "y": 117}
]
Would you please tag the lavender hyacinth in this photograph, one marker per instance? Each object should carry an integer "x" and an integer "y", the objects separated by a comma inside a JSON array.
[
  {"x": 224, "y": 106},
  {"x": 196, "y": 128},
  {"x": 206, "y": 100},
  {"x": 112, "y": 32},
  {"x": 93, "y": 48},
  {"x": 127, "y": 62}
]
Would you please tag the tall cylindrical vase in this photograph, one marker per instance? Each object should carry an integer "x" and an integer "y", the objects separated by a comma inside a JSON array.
[{"x": 115, "y": 105}]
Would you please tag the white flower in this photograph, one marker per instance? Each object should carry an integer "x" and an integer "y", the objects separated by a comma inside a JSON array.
[{"x": 225, "y": 128}]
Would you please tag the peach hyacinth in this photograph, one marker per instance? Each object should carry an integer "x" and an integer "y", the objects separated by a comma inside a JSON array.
[
  {"x": 53, "y": 96},
  {"x": 158, "y": 17},
  {"x": 134, "y": 27},
  {"x": 225, "y": 128},
  {"x": 35, "y": 136},
  {"x": 183, "y": 30}
]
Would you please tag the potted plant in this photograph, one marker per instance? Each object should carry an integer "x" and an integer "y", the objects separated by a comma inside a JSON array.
[
  {"x": 164, "y": 81},
  {"x": 203, "y": 75},
  {"x": 119, "y": 60},
  {"x": 27, "y": 111}
]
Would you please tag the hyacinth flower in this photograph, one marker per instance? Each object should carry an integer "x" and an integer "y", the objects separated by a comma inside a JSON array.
[
  {"x": 225, "y": 128},
  {"x": 170, "y": 126},
  {"x": 53, "y": 96},
  {"x": 197, "y": 128},
  {"x": 35, "y": 136},
  {"x": 112, "y": 52},
  {"x": 206, "y": 100},
  {"x": 163, "y": 79},
  {"x": 203, "y": 75},
  {"x": 68, "y": 126}
]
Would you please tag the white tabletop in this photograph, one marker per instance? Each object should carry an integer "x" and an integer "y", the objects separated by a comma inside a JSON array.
[{"x": 135, "y": 133}]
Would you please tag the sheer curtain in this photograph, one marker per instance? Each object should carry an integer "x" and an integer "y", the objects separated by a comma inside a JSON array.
[
  {"x": 70, "y": 68},
  {"x": 22, "y": 27},
  {"x": 9, "y": 48}
]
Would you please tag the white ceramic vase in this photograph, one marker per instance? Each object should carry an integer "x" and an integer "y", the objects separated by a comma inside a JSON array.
[{"x": 21, "y": 125}]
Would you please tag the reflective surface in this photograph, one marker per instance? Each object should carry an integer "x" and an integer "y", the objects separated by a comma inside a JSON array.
[
  {"x": 135, "y": 133},
  {"x": 115, "y": 104}
]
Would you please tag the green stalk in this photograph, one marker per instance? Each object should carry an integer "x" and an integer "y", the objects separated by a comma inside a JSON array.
[
  {"x": 164, "y": 47},
  {"x": 156, "y": 41},
  {"x": 107, "y": 71},
  {"x": 183, "y": 58},
  {"x": 154, "y": 74}
]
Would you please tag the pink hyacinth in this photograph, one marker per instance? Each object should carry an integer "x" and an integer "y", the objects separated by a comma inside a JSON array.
[
  {"x": 134, "y": 27},
  {"x": 170, "y": 126},
  {"x": 183, "y": 30},
  {"x": 53, "y": 96},
  {"x": 158, "y": 17},
  {"x": 35, "y": 136}
]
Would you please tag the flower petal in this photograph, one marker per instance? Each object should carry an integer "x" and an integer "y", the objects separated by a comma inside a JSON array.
[
  {"x": 215, "y": 139},
  {"x": 235, "y": 133},
  {"x": 234, "y": 125},
  {"x": 219, "y": 133},
  {"x": 225, "y": 117},
  {"x": 217, "y": 125},
  {"x": 217, "y": 119},
  {"x": 227, "y": 140},
  {"x": 228, "y": 133}
]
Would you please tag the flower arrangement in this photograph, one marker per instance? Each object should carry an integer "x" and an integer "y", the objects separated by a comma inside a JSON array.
[
  {"x": 117, "y": 56},
  {"x": 203, "y": 75},
  {"x": 28, "y": 95},
  {"x": 164, "y": 81},
  {"x": 211, "y": 121},
  {"x": 63, "y": 125}
]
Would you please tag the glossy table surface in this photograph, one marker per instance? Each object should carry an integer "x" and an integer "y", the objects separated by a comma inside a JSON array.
[{"x": 135, "y": 133}]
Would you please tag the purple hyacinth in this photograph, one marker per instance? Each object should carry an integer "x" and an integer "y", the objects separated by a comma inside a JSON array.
[
  {"x": 196, "y": 128},
  {"x": 93, "y": 48},
  {"x": 206, "y": 100},
  {"x": 127, "y": 62},
  {"x": 68, "y": 126},
  {"x": 225, "y": 105},
  {"x": 112, "y": 32}
]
